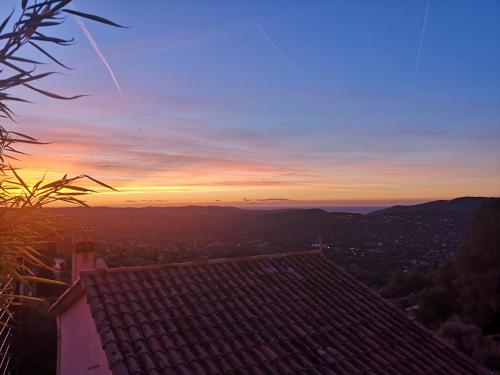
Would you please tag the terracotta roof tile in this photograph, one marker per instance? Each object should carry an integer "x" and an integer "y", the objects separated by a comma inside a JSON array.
[
  {"x": 284, "y": 314},
  {"x": 211, "y": 366}
]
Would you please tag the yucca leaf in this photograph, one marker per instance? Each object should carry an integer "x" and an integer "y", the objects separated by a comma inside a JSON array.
[
  {"x": 48, "y": 55},
  {"x": 23, "y": 135},
  {"x": 61, "y": 5},
  {"x": 91, "y": 17},
  {"x": 78, "y": 188},
  {"x": 45, "y": 280},
  {"x": 26, "y": 298},
  {"x": 22, "y": 59},
  {"x": 44, "y": 38},
  {"x": 23, "y": 227},
  {"x": 19, "y": 179},
  {"x": 44, "y": 3},
  {"x": 100, "y": 183},
  {"x": 51, "y": 94},
  {"x": 6, "y": 21}
]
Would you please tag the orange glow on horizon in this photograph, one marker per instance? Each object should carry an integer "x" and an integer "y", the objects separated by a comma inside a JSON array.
[
  {"x": 245, "y": 193},
  {"x": 191, "y": 167}
]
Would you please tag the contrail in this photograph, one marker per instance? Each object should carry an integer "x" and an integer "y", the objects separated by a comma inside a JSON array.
[
  {"x": 422, "y": 34},
  {"x": 103, "y": 59},
  {"x": 283, "y": 56}
]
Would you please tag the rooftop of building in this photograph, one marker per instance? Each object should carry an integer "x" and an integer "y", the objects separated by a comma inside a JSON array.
[{"x": 277, "y": 314}]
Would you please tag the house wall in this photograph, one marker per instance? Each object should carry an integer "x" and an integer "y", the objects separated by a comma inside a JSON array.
[{"x": 80, "y": 350}]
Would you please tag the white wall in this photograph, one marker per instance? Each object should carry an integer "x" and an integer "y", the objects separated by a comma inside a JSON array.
[{"x": 80, "y": 350}]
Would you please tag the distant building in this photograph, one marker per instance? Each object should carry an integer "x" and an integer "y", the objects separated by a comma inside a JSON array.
[{"x": 278, "y": 314}]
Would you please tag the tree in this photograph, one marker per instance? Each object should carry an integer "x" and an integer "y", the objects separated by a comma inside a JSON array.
[
  {"x": 439, "y": 301},
  {"x": 402, "y": 284},
  {"x": 469, "y": 285},
  {"x": 478, "y": 269},
  {"x": 23, "y": 225},
  {"x": 463, "y": 303}
]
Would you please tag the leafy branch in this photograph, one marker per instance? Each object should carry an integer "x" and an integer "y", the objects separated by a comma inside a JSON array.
[{"x": 23, "y": 226}]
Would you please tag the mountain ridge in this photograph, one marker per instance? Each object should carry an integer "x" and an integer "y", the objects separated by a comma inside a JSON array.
[{"x": 467, "y": 204}]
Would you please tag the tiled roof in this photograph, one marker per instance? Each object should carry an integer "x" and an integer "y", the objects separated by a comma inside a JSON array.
[{"x": 283, "y": 314}]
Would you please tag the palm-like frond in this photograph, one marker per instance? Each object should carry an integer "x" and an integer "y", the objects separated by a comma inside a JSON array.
[{"x": 24, "y": 226}]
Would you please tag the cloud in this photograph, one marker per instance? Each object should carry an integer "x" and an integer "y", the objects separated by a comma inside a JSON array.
[
  {"x": 266, "y": 200},
  {"x": 189, "y": 161},
  {"x": 169, "y": 158},
  {"x": 428, "y": 132},
  {"x": 136, "y": 47},
  {"x": 144, "y": 201},
  {"x": 103, "y": 106}
]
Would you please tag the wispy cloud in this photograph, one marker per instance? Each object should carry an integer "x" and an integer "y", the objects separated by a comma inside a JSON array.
[
  {"x": 427, "y": 132},
  {"x": 266, "y": 200},
  {"x": 201, "y": 165},
  {"x": 146, "y": 201}
]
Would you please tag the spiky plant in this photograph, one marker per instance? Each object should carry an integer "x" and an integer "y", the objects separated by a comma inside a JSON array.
[{"x": 23, "y": 225}]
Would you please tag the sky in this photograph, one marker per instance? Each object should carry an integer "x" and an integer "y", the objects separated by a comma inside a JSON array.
[{"x": 282, "y": 103}]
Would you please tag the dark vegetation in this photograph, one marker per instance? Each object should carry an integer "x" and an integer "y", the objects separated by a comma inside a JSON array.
[
  {"x": 36, "y": 340},
  {"x": 24, "y": 227},
  {"x": 461, "y": 298}
]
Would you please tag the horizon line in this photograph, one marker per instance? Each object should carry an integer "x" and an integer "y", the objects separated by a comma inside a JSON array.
[{"x": 282, "y": 204}]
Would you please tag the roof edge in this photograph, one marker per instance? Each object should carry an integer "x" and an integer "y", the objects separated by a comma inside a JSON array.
[
  {"x": 77, "y": 289},
  {"x": 66, "y": 299},
  {"x": 203, "y": 262}
]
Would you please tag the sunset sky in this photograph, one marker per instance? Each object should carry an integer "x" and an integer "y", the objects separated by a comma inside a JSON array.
[{"x": 283, "y": 103}]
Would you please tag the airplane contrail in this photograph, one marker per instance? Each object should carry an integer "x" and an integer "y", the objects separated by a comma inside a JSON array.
[
  {"x": 422, "y": 35},
  {"x": 103, "y": 59},
  {"x": 283, "y": 56}
]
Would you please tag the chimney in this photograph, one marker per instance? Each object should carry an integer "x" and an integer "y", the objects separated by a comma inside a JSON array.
[{"x": 84, "y": 253}]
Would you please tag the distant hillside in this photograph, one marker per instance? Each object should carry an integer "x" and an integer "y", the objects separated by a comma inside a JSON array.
[
  {"x": 393, "y": 238},
  {"x": 284, "y": 225},
  {"x": 287, "y": 225},
  {"x": 464, "y": 204}
]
